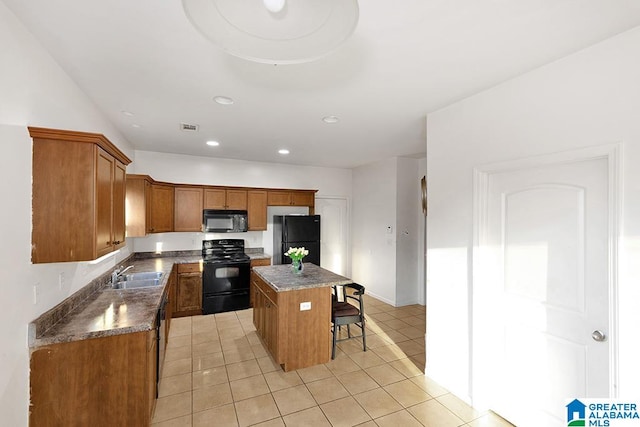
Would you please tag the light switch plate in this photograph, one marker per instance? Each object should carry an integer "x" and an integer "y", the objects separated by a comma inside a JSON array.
[{"x": 304, "y": 306}]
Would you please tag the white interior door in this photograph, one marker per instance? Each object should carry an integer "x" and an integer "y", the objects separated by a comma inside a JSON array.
[
  {"x": 548, "y": 235},
  {"x": 334, "y": 229}
]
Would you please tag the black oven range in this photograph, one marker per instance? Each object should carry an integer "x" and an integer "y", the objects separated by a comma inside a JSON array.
[{"x": 225, "y": 276}]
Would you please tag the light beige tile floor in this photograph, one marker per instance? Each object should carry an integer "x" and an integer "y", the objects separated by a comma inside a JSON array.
[{"x": 218, "y": 373}]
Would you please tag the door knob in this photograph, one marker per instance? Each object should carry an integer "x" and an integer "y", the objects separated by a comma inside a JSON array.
[{"x": 598, "y": 336}]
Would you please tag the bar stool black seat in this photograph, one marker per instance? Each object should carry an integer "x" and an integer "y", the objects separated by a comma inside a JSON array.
[{"x": 347, "y": 313}]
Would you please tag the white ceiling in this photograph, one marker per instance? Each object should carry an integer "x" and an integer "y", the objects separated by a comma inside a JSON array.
[{"x": 405, "y": 59}]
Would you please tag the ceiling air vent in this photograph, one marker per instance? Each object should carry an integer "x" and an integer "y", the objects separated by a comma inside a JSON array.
[{"x": 186, "y": 127}]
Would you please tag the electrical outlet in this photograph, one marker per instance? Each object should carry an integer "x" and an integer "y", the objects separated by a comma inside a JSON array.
[
  {"x": 61, "y": 281},
  {"x": 304, "y": 306}
]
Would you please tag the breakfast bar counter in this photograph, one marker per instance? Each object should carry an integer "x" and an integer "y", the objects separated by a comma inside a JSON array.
[{"x": 292, "y": 313}]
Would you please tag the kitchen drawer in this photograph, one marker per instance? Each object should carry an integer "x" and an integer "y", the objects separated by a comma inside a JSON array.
[
  {"x": 260, "y": 262},
  {"x": 190, "y": 268},
  {"x": 268, "y": 291}
]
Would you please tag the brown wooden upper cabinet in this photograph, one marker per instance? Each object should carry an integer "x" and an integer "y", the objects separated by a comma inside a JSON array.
[
  {"x": 257, "y": 210},
  {"x": 149, "y": 206},
  {"x": 188, "y": 208},
  {"x": 160, "y": 208},
  {"x": 138, "y": 200},
  {"x": 225, "y": 198},
  {"x": 291, "y": 198},
  {"x": 110, "y": 194},
  {"x": 78, "y": 201}
]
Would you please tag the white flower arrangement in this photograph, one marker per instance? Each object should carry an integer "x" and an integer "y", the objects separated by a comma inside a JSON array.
[{"x": 296, "y": 254}]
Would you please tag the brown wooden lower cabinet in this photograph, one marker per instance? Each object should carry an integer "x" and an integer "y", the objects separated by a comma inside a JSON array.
[
  {"x": 296, "y": 339},
  {"x": 152, "y": 372},
  {"x": 107, "y": 381},
  {"x": 260, "y": 262},
  {"x": 172, "y": 294},
  {"x": 265, "y": 312},
  {"x": 189, "y": 290},
  {"x": 256, "y": 263}
]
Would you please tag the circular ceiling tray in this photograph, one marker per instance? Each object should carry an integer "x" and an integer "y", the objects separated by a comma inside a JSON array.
[{"x": 304, "y": 30}]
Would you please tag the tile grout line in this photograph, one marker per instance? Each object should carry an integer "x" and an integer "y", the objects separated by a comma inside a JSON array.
[{"x": 332, "y": 373}]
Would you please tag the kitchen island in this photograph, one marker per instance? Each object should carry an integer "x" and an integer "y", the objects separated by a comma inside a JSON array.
[{"x": 292, "y": 313}]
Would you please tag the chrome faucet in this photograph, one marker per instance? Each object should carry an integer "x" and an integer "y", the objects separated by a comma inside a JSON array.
[{"x": 118, "y": 272}]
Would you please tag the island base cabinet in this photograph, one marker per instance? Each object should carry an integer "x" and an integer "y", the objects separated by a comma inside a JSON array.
[
  {"x": 107, "y": 381},
  {"x": 256, "y": 263},
  {"x": 305, "y": 336},
  {"x": 295, "y": 338}
]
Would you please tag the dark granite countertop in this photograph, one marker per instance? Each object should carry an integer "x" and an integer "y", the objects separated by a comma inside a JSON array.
[
  {"x": 256, "y": 253},
  {"x": 97, "y": 310},
  {"x": 282, "y": 278},
  {"x": 102, "y": 311}
]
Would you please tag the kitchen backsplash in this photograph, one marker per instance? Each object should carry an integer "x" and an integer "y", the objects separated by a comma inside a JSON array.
[{"x": 163, "y": 242}]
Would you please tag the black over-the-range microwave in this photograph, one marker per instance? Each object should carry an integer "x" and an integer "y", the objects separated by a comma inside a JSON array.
[{"x": 224, "y": 221}]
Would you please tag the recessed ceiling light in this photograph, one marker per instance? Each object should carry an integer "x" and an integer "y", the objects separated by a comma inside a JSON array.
[
  {"x": 273, "y": 6},
  {"x": 330, "y": 119},
  {"x": 283, "y": 151},
  {"x": 213, "y": 143},
  {"x": 127, "y": 113},
  {"x": 223, "y": 100}
]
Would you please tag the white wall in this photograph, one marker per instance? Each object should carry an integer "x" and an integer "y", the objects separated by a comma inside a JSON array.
[
  {"x": 179, "y": 168},
  {"x": 408, "y": 210},
  {"x": 589, "y": 98},
  {"x": 184, "y": 169},
  {"x": 373, "y": 249},
  {"x": 386, "y": 229},
  {"x": 35, "y": 91}
]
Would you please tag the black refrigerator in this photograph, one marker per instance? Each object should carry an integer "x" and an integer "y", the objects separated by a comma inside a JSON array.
[{"x": 294, "y": 231}]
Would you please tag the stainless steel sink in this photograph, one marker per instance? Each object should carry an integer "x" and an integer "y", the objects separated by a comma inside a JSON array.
[
  {"x": 137, "y": 283},
  {"x": 139, "y": 280},
  {"x": 141, "y": 276}
]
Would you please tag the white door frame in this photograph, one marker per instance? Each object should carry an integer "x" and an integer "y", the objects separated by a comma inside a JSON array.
[{"x": 479, "y": 377}]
